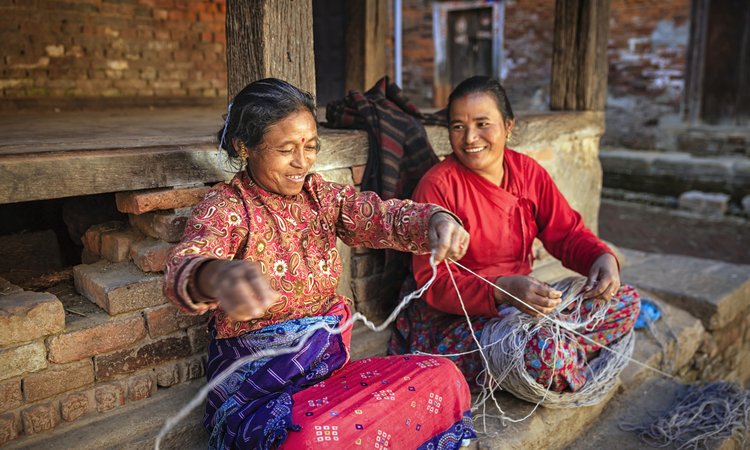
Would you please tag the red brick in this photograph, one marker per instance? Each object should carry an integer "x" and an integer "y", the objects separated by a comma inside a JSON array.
[
  {"x": 199, "y": 338},
  {"x": 118, "y": 287},
  {"x": 74, "y": 406},
  {"x": 109, "y": 396},
  {"x": 167, "y": 319},
  {"x": 92, "y": 238},
  {"x": 358, "y": 173},
  {"x": 10, "y": 428},
  {"x": 165, "y": 225},
  {"x": 23, "y": 359},
  {"x": 27, "y": 315},
  {"x": 139, "y": 202},
  {"x": 167, "y": 375},
  {"x": 140, "y": 388},
  {"x": 150, "y": 255},
  {"x": 58, "y": 379},
  {"x": 102, "y": 338},
  {"x": 40, "y": 418},
  {"x": 192, "y": 369},
  {"x": 116, "y": 245},
  {"x": 89, "y": 258},
  {"x": 129, "y": 361},
  {"x": 10, "y": 395}
]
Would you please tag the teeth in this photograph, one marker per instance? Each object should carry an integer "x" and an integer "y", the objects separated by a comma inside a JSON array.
[{"x": 474, "y": 149}]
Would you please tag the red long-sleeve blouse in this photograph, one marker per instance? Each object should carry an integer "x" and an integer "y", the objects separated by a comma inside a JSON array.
[{"x": 503, "y": 222}]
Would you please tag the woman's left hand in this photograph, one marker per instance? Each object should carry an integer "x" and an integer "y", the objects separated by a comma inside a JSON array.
[
  {"x": 448, "y": 239},
  {"x": 604, "y": 278}
]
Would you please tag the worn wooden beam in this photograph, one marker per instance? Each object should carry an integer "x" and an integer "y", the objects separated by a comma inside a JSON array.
[
  {"x": 270, "y": 38},
  {"x": 579, "y": 56},
  {"x": 366, "y": 29},
  {"x": 38, "y": 176}
]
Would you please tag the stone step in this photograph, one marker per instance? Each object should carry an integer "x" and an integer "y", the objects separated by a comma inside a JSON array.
[
  {"x": 547, "y": 429},
  {"x": 672, "y": 173},
  {"x": 678, "y": 337},
  {"x": 659, "y": 229},
  {"x": 637, "y": 406},
  {"x": 717, "y": 292},
  {"x": 132, "y": 427}
]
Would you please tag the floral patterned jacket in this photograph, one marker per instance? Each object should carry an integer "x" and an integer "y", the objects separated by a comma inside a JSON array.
[{"x": 293, "y": 239}]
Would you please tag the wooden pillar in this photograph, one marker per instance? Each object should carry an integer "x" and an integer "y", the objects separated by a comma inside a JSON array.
[
  {"x": 579, "y": 56},
  {"x": 695, "y": 61},
  {"x": 270, "y": 38},
  {"x": 366, "y": 29}
]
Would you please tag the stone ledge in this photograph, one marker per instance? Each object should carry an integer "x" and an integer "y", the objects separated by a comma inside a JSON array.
[
  {"x": 672, "y": 173},
  {"x": 713, "y": 291}
]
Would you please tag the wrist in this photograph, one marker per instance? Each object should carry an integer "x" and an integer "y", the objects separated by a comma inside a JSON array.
[
  {"x": 497, "y": 294},
  {"x": 203, "y": 281}
]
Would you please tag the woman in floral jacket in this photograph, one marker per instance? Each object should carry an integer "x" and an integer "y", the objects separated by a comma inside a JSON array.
[{"x": 259, "y": 254}]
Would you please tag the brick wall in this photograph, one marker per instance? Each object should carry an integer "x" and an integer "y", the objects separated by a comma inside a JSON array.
[
  {"x": 110, "y": 338},
  {"x": 112, "y": 48},
  {"x": 418, "y": 51},
  {"x": 647, "y": 48}
]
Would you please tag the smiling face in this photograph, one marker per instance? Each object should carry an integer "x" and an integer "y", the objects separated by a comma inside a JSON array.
[
  {"x": 282, "y": 160},
  {"x": 478, "y": 133}
]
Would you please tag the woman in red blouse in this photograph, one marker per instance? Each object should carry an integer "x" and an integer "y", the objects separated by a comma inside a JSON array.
[
  {"x": 260, "y": 254},
  {"x": 505, "y": 199}
]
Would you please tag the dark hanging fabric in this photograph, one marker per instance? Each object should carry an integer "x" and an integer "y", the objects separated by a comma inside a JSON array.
[{"x": 399, "y": 151}]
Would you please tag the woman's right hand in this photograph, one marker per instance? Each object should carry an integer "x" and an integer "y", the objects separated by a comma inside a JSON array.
[
  {"x": 533, "y": 292},
  {"x": 239, "y": 288}
]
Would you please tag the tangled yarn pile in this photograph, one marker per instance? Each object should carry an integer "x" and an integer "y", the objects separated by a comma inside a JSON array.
[
  {"x": 504, "y": 341},
  {"x": 702, "y": 414}
]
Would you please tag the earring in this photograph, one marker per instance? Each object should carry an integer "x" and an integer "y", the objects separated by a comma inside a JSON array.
[
  {"x": 243, "y": 152},
  {"x": 510, "y": 136}
]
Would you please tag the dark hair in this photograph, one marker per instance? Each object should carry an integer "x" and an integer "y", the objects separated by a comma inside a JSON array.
[
  {"x": 482, "y": 84},
  {"x": 259, "y": 105}
]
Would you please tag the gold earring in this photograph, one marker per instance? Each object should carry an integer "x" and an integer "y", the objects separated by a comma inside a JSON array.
[
  {"x": 510, "y": 136},
  {"x": 243, "y": 152}
]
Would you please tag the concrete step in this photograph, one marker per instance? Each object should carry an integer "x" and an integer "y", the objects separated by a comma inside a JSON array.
[
  {"x": 717, "y": 292},
  {"x": 672, "y": 173},
  {"x": 132, "y": 427}
]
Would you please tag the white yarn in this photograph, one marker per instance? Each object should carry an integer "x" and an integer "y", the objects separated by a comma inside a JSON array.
[
  {"x": 568, "y": 322},
  {"x": 512, "y": 333}
]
